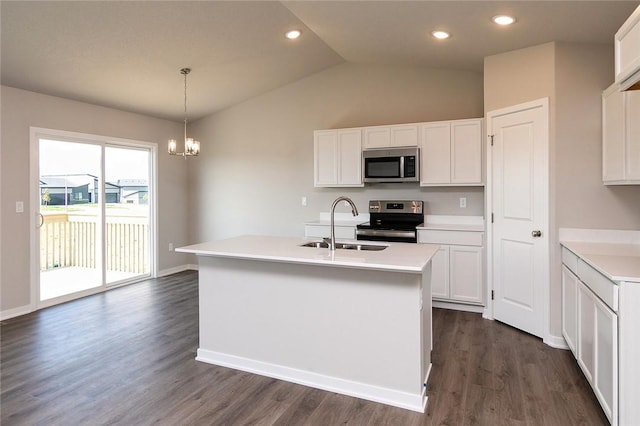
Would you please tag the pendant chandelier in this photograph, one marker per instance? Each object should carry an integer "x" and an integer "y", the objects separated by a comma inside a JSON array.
[{"x": 191, "y": 146}]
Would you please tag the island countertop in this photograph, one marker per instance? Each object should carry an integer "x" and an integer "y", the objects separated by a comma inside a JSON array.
[{"x": 402, "y": 257}]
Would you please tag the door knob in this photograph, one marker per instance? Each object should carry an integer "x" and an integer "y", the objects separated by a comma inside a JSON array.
[{"x": 536, "y": 234}]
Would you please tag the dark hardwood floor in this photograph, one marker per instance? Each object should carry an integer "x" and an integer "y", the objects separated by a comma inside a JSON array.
[{"x": 127, "y": 357}]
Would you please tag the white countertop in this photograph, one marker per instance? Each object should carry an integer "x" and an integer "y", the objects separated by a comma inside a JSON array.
[
  {"x": 401, "y": 257},
  {"x": 616, "y": 261}
]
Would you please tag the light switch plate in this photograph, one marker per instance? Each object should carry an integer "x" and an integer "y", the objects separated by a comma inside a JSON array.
[{"x": 19, "y": 207}]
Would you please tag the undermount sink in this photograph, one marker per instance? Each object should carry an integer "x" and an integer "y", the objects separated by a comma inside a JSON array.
[{"x": 345, "y": 246}]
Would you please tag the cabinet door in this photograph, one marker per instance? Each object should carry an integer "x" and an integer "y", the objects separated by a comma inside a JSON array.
[
  {"x": 404, "y": 135},
  {"x": 465, "y": 274},
  {"x": 586, "y": 331},
  {"x": 435, "y": 154},
  {"x": 613, "y": 135},
  {"x": 350, "y": 157},
  {"x": 440, "y": 273},
  {"x": 569, "y": 308},
  {"x": 325, "y": 157},
  {"x": 627, "y": 48},
  {"x": 377, "y": 137},
  {"x": 606, "y": 368},
  {"x": 632, "y": 136},
  {"x": 466, "y": 152}
]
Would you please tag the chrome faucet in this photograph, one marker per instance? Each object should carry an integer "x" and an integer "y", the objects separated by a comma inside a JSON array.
[{"x": 354, "y": 211}]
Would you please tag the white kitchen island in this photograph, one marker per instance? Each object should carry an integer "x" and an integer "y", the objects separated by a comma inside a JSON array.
[{"x": 352, "y": 322}]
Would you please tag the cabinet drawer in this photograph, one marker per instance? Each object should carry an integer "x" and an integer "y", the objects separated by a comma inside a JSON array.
[
  {"x": 570, "y": 260},
  {"x": 458, "y": 238},
  {"x": 601, "y": 286}
]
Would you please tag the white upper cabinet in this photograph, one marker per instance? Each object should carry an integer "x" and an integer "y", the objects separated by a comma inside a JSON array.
[
  {"x": 338, "y": 158},
  {"x": 627, "y": 53},
  {"x": 391, "y": 136},
  {"x": 451, "y": 153},
  {"x": 620, "y": 137}
]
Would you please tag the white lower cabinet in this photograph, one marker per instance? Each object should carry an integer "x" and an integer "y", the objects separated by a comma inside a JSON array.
[
  {"x": 598, "y": 348},
  {"x": 456, "y": 269},
  {"x": 570, "y": 308},
  {"x": 590, "y": 327},
  {"x": 440, "y": 273}
]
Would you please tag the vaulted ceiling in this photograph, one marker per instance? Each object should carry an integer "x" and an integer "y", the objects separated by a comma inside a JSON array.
[{"x": 127, "y": 54}]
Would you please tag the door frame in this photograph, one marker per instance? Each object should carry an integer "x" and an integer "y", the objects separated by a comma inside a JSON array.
[
  {"x": 489, "y": 190},
  {"x": 36, "y": 133}
]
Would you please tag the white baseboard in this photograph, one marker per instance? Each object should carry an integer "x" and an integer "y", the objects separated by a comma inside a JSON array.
[
  {"x": 176, "y": 269},
  {"x": 457, "y": 306},
  {"x": 414, "y": 402},
  {"x": 557, "y": 342},
  {"x": 15, "y": 312}
]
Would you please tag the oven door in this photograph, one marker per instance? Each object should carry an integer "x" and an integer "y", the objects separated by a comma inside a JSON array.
[{"x": 389, "y": 235}]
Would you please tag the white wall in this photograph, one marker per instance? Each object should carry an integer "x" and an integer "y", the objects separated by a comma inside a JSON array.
[
  {"x": 21, "y": 109},
  {"x": 257, "y": 157}
]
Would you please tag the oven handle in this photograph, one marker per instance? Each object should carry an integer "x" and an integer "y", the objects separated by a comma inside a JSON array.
[{"x": 392, "y": 233}]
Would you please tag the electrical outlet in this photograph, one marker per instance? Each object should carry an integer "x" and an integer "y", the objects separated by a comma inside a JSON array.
[
  {"x": 463, "y": 202},
  {"x": 170, "y": 246},
  {"x": 304, "y": 201},
  {"x": 346, "y": 203},
  {"x": 19, "y": 207}
]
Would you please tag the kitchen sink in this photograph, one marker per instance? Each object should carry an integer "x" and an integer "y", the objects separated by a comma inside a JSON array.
[{"x": 345, "y": 246}]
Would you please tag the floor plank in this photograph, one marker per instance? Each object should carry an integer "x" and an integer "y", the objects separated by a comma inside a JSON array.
[{"x": 127, "y": 357}]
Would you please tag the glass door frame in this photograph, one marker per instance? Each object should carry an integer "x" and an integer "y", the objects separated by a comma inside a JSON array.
[{"x": 37, "y": 133}]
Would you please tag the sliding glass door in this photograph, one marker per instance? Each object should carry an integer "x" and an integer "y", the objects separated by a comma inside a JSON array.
[
  {"x": 70, "y": 217},
  {"x": 94, "y": 210},
  {"x": 127, "y": 213}
]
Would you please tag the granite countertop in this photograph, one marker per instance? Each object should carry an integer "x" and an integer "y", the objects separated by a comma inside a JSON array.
[
  {"x": 400, "y": 257},
  {"x": 616, "y": 261}
]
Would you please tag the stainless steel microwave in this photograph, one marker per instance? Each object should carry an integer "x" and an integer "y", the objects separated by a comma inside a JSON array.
[{"x": 391, "y": 164}]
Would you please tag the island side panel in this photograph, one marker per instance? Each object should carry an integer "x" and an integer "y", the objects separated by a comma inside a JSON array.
[
  {"x": 343, "y": 324},
  {"x": 426, "y": 324}
]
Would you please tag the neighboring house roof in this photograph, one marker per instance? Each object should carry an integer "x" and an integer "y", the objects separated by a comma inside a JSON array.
[{"x": 61, "y": 181}]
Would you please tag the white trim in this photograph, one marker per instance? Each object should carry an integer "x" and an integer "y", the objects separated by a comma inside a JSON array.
[
  {"x": 457, "y": 306},
  {"x": 176, "y": 269},
  {"x": 15, "y": 312},
  {"x": 414, "y": 402},
  {"x": 491, "y": 115},
  {"x": 557, "y": 342}
]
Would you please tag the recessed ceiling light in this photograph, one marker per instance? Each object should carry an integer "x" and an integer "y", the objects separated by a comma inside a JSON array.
[
  {"x": 440, "y": 34},
  {"x": 293, "y": 34},
  {"x": 503, "y": 19}
]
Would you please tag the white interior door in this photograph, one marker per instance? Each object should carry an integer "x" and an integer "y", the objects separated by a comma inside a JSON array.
[{"x": 519, "y": 206}]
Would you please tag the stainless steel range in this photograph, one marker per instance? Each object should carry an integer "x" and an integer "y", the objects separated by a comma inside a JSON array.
[{"x": 392, "y": 220}]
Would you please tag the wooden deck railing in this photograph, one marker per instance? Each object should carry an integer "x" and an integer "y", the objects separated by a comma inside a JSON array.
[{"x": 70, "y": 240}]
